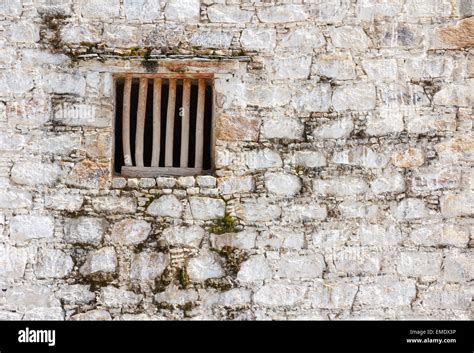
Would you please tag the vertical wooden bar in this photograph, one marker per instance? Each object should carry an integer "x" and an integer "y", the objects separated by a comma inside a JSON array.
[
  {"x": 141, "y": 113},
  {"x": 170, "y": 123},
  {"x": 155, "y": 157},
  {"x": 200, "y": 123},
  {"x": 185, "y": 123},
  {"x": 127, "y": 89},
  {"x": 213, "y": 129}
]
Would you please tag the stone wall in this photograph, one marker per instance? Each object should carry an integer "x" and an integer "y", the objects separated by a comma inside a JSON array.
[{"x": 343, "y": 186}]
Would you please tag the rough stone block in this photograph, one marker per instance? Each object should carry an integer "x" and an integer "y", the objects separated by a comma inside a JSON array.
[
  {"x": 35, "y": 173},
  {"x": 116, "y": 297},
  {"x": 187, "y": 11},
  {"x": 258, "y": 38},
  {"x": 337, "y": 66},
  {"x": 183, "y": 235},
  {"x": 410, "y": 158},
  {"x": 341, "y": 186},
  {"x": 304, "y": 212},
  {"x": 206, "y": 265},
  {"x": 242, "y": 240},
  {"x": 146, "y": 266},
  {"x": 360, "y": 156},
  {"x": 279, "y": 294},
  {"x": 27, "y": 227},
  {"x": 282, "y": 128},
  {"x": 386, "y": 292},
  {"x": 104, "y": 10},
  {"x": 418, "y": 264},
  {"x": 85, "y": 230},
  {"x": 258, "y": 211},
  {"x": 102, "y": 260},
  {"x": 142, "y": 10},
  {"x": 388, "y": 182},
  {"x": 410, "y": 208},
  {"x": 130, "y": 232},
  {"x": 307, "y": 266},
  {"x": 282, "y": 13},
  {"x": 311, "y": 97},
  {"x": 337, "y": 129},
  {"x": 256, "y": 268},
  {"x": 360, "y": 96},
  {"x": 113, "y": 204},
  {"x": 166, "y": 206},
  {"x": 206, "y": 208},
  {"x": 266, "y": 158},
  {"x": 220, "y": 13},
  {"x": 13, "y": 262},
  {"x": 51, "y": 263},
  {"x": 457, "y": 204},
  {"x": 282, "y": 184}
]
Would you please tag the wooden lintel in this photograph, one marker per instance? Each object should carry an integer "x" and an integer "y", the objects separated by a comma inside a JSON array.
[{"x": 152, "y": 172}]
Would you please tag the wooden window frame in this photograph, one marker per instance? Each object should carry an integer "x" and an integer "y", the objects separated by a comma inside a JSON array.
[{"x": 132, "y": 171}]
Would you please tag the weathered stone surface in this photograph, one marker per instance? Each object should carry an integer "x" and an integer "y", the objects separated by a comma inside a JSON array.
[
  {"x": 130, "y": 232},
  {"x": 228, "y": 14},
  {"x": 339, "y": 294},
  {"x": 435, "y": 178},
  {"x": 101, "y": 9},
  {"x": 146, "y": 266},
  {"x": 258, "y": 211},
  {"x": 458, "y": 267},
  {"x": 27, "y": 227},
  {"x": 242, "y": 240},
  {"x": 89, "y": 174},
  {"x": 64, "y": 84},
  {"x": 112, "y": 204},
  {"x": 44, "y": 314},
  {"x": 410, "y": 208},
  {"x": 360, "y": 156},
  {"x": 308, "y": 266},
  {"x": 410, "y": 158},
  {"x": 165, "y": 206},
  {"x": 359, "y": 96},
  {"x": 419, "y": 263},
  {"x": 85, "y": 230},
  {"x": 212, "y": 39},
  {"x": 455, "y": 94},
  {"x": 206, "y": 208},
  {"x": 35, "y": 173},
  {"x": 446, "y": 296},
  {"x": 282, "y": 184},
  {"x": 370, "y": 9},
  {"x": 282, "y": 128},
  {"x": 206, "y": 265},
  {"x": 457, "y": 204},
  {"x": 256, "y": 268},
  {"x": 337, "y": 66},
  {"x": 308, "y": 159},
  {"x": 356, "y": 260},
  {"x": 265, "y": 158},
  {"x": 12, "y": 262},
  {"x": 98, "y": 145},
  {"x": 52, "y": 263},
  {"x": 257, "y": 38},
  {"x": 102, "y": 260},
  {"x": 304, "y": 212},
  {"x": 29, "y": 296},
  {"x": 282, "y": 13},
  {"x": 289, "y": 66},
  {"x": 235, "y": 128},
  {"x": 460, "y": 147},
  {"x": 355, "y": 209},
  {"x": 77, "y": 33},
  {"x": 183, "y": 236},
  {"x": 276, "y": 294},
  {"x": 427, "y": 123},
  {"x": 461, "y": 35},
  {"x": 143, "y": 10},
  {"x": 63, "y": 200},
  {"x": 95, "y": 315},
  {"x": 78, "y": 114},
  {"x": 11, "y": 142},
  {"x": 387, "y": 291},
  {"x": 311, "y": 97},
  {"x": 330, "y": 237},
  {"x": 380, "y": 69},
  {"x": 441, "y": 235},
  {"x": 116, "y": 297},
  {"x": 10, "y": 8},
  {"x": 386, "y": 121},
  {"x": 173, "y": 295},
  {"x": 14, "y": 198},
  {"x": 341, "y": 128},
  {"x": 277, "y": 238},
  {"x": 388, "y": 182},
  {"x": 75, "y": 294},
  {"x": 264, "y": 94},
  {"x": 305, "y": 38},
  {"x": 429, "y": 67},
  {"x": 380, "y": 234},
  {"x": 187, "y": 11},
  {"x": 15, "y": 82},
  {"x": 342, "y": 186},
  {"x": 55, "y": 144},
  {"x": 349, "y": 37}
]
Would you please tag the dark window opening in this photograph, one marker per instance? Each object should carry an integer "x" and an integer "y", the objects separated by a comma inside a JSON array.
[{"x": 148, "y": 130}]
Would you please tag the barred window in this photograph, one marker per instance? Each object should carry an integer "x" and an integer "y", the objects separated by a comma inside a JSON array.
[{"x": 163, "y": 124}]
